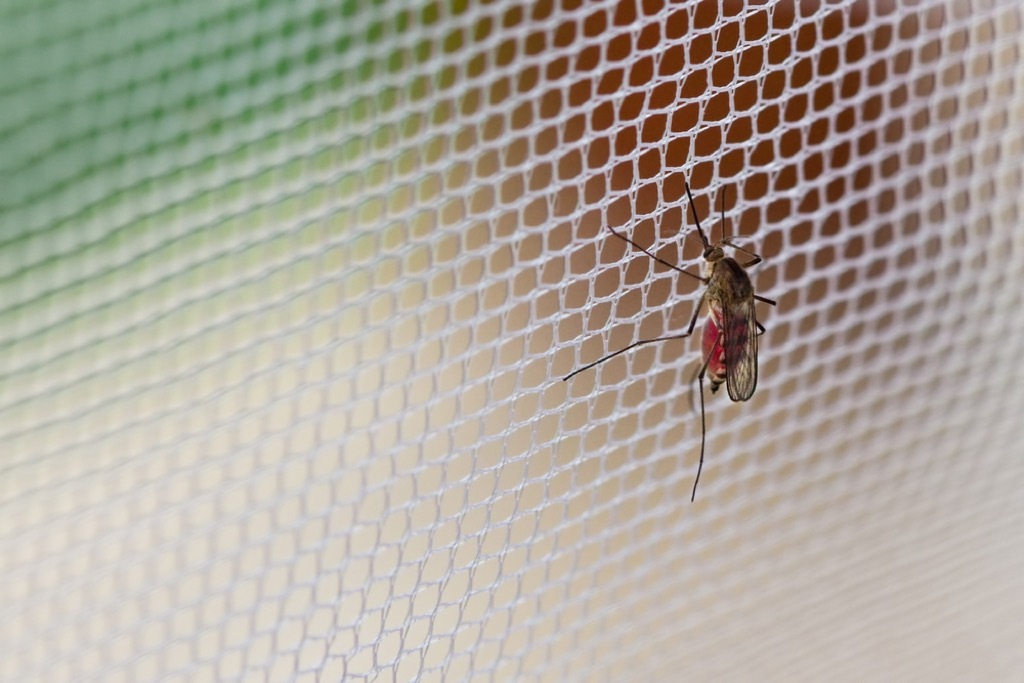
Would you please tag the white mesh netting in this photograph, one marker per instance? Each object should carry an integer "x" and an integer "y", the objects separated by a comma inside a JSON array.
[{"x": 286, "y": 291}]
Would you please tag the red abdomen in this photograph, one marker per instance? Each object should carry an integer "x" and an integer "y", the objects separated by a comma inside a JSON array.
[{"x": 713, "y": 353}]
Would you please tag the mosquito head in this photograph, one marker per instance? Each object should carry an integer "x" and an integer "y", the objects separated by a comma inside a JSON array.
[{"x": 713, "y": 253}]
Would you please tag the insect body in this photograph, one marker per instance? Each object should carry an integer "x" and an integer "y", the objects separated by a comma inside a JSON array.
[
  {"x": 729, "y": 342},
  {"x": 730, "y": 334}
]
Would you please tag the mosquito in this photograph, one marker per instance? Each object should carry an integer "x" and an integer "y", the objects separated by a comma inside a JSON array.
[{"x": 729, "y": 341}]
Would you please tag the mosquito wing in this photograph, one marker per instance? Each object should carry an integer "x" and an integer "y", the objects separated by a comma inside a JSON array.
[{"x": 740, "y": 344}]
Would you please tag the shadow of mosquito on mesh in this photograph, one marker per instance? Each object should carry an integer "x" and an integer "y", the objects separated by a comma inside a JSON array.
[{"x": 731, "y": 330}]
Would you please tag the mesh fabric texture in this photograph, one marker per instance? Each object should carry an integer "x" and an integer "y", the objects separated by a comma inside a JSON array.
[{"x": 287, "y": 290}]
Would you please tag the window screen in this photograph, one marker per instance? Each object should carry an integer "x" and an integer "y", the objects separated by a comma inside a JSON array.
[{"x": 287, "y": 291}]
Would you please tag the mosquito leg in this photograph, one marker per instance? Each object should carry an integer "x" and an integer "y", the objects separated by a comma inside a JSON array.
[
  {"x": 656, "y": 258},
  {"x": 703, "y": 424},
  {"x": 749, "y": 264},
  {"x": 684, "y": 335},
  {"x": 621, "y": 351},
  {"x": 703, "y": 432},
  {"x": 753, "y": 262},
  {"x": 760, "y": 328}
]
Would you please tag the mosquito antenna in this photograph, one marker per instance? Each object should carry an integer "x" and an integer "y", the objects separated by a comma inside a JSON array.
[{"x": 693, "y": 210}]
